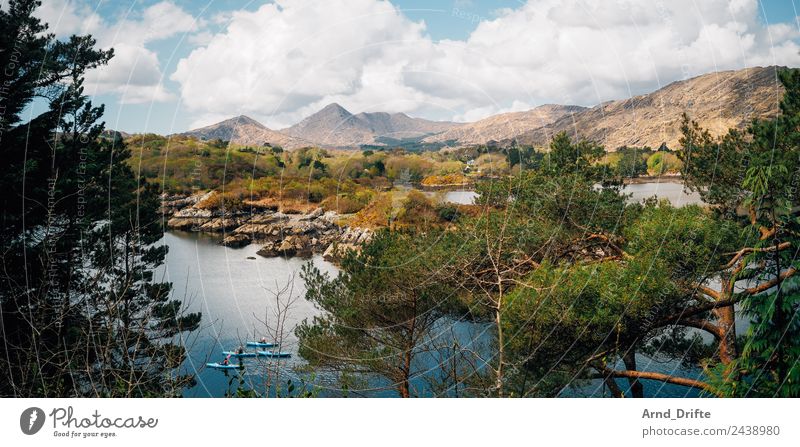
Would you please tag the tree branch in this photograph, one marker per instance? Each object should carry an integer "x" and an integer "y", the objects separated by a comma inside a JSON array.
[
  {"x": 656, "y": 376},
  {"x": 766, "y": 285},
  {"x": 738, "y": 255},
  {"x": 702, "y": 324},
  {"x": 692, "y": 311},
  {"x": 707, "y": 291}
]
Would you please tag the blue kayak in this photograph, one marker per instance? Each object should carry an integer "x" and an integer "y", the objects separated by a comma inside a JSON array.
[
  {"x": 221, "y": 366},
  {"x": 274, "y": 354},
  {"x": 258, "y": 344},
  {"x": 236, "y": 354}
]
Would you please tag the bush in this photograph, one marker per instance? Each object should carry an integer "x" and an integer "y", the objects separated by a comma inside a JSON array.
[
  {"x": 661, "y": 163},
  {"x": 344, "y": 204},
  {"x": 316, "y": 193},
  {"x": 447, "y": 212},
  {"x": 417, "y": 209},
  {"x": 229, "y": 201},
  {"x": 448, "y": 179}
]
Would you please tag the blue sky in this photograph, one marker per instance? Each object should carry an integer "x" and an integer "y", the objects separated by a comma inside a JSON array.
[{"x": 208, "y": 60}]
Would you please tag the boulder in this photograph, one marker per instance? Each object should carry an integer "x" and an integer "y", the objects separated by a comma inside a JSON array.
[
  {"x": 267, "y": 251},
  {"x": 221, "y": 224},
  {"x": 254, "y": 230},
  {"x": 268, "y": 218},
  {"x": 186, "y": 224},
  {"x": 193, "y": 212},
  {"x": 364, "y": 237},
  {"x": 236, "y": 240},
  {"x": 312, "y": 215},
  {"x": 336, "y": 251},
  {"x": 287, "y": 248},
  {"x": 330, "y": 217}
]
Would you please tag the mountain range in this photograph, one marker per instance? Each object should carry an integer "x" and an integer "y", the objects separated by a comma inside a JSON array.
[{"x": 718, "y": 101}]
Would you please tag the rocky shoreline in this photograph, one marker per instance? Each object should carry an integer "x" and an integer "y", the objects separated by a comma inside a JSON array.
[{"x": 280, "y": 234}]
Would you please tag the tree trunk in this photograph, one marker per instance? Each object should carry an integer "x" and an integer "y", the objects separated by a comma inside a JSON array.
[
  {"x": 613, "y": 387},
  {"x": 637, "y": 389},
  {"x": 500, "y": 341},
  {"x": 406, "y": 371},
  {"x": 727, "y": 344},
  {"x": 727, "y": 323}
]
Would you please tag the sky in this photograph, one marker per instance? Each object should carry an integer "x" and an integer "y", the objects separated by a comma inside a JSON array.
[{"x": 183, "y": 64}]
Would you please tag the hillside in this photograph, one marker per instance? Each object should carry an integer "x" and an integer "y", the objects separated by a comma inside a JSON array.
[
  {"x": 718, "y": 101},
  {"x": 335, "y": 126},
  {"x": 246, "y": 131},
  {"x": 505, "y": 125}
]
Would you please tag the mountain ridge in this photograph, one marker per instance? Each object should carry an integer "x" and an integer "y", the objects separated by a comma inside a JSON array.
[
  {"x": 244, "y": 130},
  {"x": 335, "y": 126},
  {"x": 505, "y": 125},
  {"x": 718, "y": 101}
]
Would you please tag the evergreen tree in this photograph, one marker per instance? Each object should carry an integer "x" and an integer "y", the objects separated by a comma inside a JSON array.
[
  {"x": 80, "y": 311},
  {"x": 379, "y": 311}
]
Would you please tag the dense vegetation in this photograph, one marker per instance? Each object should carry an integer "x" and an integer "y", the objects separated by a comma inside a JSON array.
[
  {"x": 348, "y": 181},
  {"x": 80, "y": 311},
  {"x": 580, "y": 286}
]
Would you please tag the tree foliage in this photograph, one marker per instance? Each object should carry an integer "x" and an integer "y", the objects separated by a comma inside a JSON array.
[
  {"x": 80, "y": 309},
  {"x": 378, "y": 312}
]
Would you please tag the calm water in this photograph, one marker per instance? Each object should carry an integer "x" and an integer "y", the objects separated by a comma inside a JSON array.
[
  {"x": 673, "y": 192},
  {"x": 663, "y": 190},
  {"x": 239, "y": 294},
  {"x": 460, "y": 197},
  {"x": 235, "y": 289}
]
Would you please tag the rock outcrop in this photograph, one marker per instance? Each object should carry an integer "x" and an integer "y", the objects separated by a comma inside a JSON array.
[
  {"x": 280, "y": 234},
  {"x": 352, "y": 239},
  {"x": 236, "y": 240}
]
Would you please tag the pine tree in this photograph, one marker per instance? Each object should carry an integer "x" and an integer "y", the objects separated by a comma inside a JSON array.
[{"x": 80, "y": 311}]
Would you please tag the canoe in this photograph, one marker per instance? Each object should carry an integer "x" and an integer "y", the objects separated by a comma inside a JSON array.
[
  {"x": 221, "y": 366},
  {"x": 236, "y": 354},
  {"x": 258, "y": 344},
  {"x": 274, "y": 354}
]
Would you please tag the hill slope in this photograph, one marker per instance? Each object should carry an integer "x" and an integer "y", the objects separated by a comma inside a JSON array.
[
  {"x": 246, "y": 131},
  {"x": 505, "y": 125},
  {"x": 718, "y": 101}
]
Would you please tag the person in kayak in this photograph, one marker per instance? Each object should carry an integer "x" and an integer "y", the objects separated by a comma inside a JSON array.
[
  {"x": 240, "y": 350},
  {"x": 226, "y": 362},
  {"x": 263, "y": 340}
]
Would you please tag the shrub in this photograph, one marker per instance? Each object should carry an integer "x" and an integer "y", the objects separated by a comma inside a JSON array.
[
  {"x": 662, "y": 162},
  {"x": 447, "y": 212}
]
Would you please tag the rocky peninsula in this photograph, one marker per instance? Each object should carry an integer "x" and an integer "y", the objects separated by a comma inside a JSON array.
[{"x": 280, "y": 234}]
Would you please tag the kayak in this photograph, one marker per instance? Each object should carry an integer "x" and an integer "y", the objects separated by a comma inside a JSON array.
[
  {"x": 258, "y": 344},
  {"x": 236, "y": 354},
  {"x": 274, "y": 354},
  {"x": 221, "y": 366}
]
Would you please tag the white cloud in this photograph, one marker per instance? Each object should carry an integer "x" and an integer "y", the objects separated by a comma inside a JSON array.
[
  {"x": 292, "y": 57},
  {"x": 289, "y": 58},
  {"x": 134, "y": 73}
]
